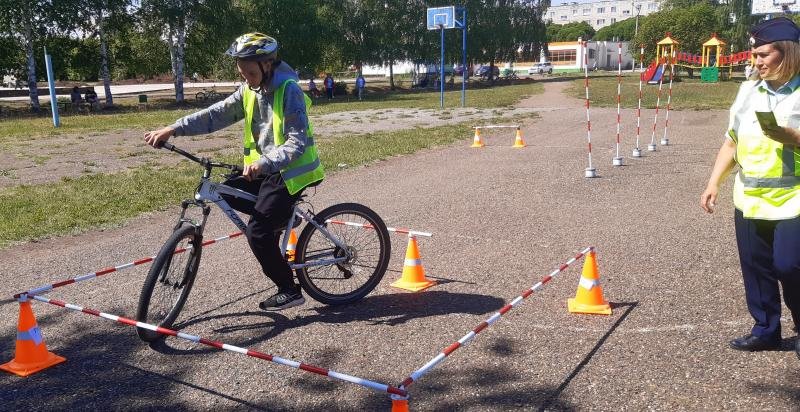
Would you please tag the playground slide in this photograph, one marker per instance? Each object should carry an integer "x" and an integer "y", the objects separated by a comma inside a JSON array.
[{"x": 657, "y": 76}]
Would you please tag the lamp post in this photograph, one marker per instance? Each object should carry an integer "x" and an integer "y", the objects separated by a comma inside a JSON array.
[{"x": 638, "y": 9}]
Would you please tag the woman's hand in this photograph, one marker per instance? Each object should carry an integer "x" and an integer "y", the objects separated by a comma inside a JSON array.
[
  {"x": 782, "y": 134},
  {"x": 157, "y": 137},
  {"x": 251, "y": 171},
  {"x": 708, "y": 199}
]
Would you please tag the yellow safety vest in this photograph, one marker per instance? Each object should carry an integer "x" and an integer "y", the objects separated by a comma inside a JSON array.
[
  {"x": 302, "y": 172},
  {"x": 768, "y": 184}
]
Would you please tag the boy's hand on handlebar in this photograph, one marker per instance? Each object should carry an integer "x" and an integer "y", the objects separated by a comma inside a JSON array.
[
  {"x": 251, "y": 171},
  {"x": 157, "y": 137}
]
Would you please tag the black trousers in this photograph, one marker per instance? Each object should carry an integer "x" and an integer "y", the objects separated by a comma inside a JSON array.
[
  {"x": 268, "y": 217},
  {"x": 768, "y": 252}
]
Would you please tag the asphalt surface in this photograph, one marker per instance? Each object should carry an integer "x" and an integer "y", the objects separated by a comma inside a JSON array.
[{"x": 502, "y": 219}]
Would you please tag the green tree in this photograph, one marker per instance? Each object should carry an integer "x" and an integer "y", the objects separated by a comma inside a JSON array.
[
  {"x": 569, "y": 31},
  {"x": 691, "y": 26},
  {"x": 623, "y": 30}
]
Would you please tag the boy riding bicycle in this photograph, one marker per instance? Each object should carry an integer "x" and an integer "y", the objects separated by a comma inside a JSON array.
[{"x": 280, "y": 157}]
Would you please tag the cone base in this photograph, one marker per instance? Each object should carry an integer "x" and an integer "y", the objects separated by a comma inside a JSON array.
[
  {"x": 518, "y": 145},
  {"x": 399, "y": 405},
  {"x": 575, "y": 307},
  {"x": 25, "y": 369},
  {"x": 413, "y": 286},
  {"x": 477, "y": 145}
]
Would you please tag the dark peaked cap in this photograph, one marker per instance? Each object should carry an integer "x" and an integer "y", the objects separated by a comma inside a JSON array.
[{"x": 773, "y": 30}]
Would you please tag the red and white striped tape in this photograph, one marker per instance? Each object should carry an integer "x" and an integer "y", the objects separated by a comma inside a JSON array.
[
  {"x": 117, "y": 268},
  {"x": 224, "y": 346},
  {"x": 639, "y": 107},
  {"x": 391, "y": 229},
  {"x": 658, "y": 103},
  {"x": 619, "y": 90},
  {"x": 586, "y": 86},
  {"x": 415, "y": 376}
]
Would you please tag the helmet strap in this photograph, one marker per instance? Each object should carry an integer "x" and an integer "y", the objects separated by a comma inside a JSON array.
[{"x": 266, "y": 76}]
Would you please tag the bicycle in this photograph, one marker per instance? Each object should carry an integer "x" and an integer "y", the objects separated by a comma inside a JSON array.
[
  {"x": 207, "y": 94},
  {"x": 341, "y": 254}
]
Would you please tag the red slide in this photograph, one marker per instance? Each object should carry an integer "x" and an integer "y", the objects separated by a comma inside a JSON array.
[{"x": 650, "y": 72}]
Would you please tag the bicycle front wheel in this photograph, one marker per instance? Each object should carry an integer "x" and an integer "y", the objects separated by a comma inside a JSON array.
[
  {"x": 364, "y": 253},
  {"x": 169, "y": 281}
]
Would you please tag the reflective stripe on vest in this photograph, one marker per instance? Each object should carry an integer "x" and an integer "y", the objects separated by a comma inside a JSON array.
[
  {"x": 303, "y": 171},
  {"x": 768, "y": 186}
]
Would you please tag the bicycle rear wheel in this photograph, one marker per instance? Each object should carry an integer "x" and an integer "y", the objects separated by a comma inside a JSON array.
[
  {"x": 169, "y": 281},
  {"x": 367, "y": 253}
]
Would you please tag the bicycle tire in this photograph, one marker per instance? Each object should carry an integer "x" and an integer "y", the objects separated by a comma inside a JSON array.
[
  {"x": 370, "y": 248},
  {"x": 169, "y": 281},
  {"x": 200, "y": 96}
]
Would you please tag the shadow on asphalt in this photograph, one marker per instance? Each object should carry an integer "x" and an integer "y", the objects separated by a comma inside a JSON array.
[
  {"x": 391, "y": 310},
  {"x": 551, "y": 402}
]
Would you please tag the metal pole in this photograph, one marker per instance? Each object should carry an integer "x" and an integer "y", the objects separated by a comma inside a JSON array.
[
  {"x": 51, "y": 83},
  {"x": 441, "y": 72},
  {"x": 464, "y": 58}
]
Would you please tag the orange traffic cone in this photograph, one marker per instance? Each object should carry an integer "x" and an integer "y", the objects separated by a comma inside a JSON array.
[
  {"x": 477, "y": 142},
  {"x": 399, "y": 403},
  {"x": 589, "y": 298},
  {"x": 31, "y": 354},
  {"x": 413, "y": 277},
  {"x": 291, "y": 246},
  {"x": 518, "y": 142}
]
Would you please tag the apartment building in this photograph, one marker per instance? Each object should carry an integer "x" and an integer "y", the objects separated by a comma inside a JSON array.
[{"x": 600, "y": 13}]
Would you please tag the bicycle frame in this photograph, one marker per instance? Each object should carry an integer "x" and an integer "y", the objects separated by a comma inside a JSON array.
[{"x": 210, "y": 191}]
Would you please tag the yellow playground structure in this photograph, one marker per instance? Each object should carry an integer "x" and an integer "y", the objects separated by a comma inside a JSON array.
[{"x": 709, "y": 62}]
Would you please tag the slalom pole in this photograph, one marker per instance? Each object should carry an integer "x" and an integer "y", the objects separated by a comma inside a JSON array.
[
  {"x": 665, "y": 140},
  {"x": 590, "y": 171},
  {"x": 637, "y": 152},
  {"x": 652, "y": 146},
  {"x": 618, "y": 161},
  {"x": 377, "y": 386}
]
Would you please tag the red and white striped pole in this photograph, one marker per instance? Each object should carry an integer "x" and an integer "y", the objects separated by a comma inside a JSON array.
[
  {"x": 416, "y": 375},
  {"x": 665, "y": 140},
  {"x": 652, "y": 146},
  {"x": 636, "y": 151},
  {"x": 117, "y": 268},
  {"x": 590, "y": 171},
  {"x": 381, "y": 387},
  {"x": 618, "y": 161}
]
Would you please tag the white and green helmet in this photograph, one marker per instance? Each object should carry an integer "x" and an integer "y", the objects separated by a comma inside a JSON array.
[{"x": 253, "y": 46}]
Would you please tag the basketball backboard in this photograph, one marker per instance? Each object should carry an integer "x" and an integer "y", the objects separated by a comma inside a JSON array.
[
  {"x": 443, "y": 17},
  {"x": 761, "y": 7}
]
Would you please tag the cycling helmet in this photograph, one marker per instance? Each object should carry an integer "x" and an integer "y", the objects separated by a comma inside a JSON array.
[{"x": 253, "y": 46}]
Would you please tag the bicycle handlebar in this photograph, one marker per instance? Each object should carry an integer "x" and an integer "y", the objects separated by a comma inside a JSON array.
[{"x": 206, "y": 162}]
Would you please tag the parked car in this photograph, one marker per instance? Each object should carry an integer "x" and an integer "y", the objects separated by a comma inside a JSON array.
[
  {"x": 541, "y": 68},
  {"x": 459, "y": 70},
  {"x": 483, "y": 71}
]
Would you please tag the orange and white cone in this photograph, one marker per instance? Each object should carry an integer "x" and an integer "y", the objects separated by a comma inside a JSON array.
[
  {"x": 518, "y": 142},
  {"x": 589, "y": 298},
  {"x": 476, "y": 141},
  {"x": 413, "y": 277},
  {"x": 399, "y": 403},
  {"x": 291, "y": 246},
  {"x": 31, "y": 353}
]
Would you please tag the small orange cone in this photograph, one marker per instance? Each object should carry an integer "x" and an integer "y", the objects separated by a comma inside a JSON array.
[
  {"x": 518, "y": 142},
  {"x": 31, "y": 354},
  {"x": 291, "y": 246},
  {"x": 399, "y": 403},
  {"x": 589, "y": 298},
  {"x": 413, "y": 277},
  {"x": 477, "y": 142}
]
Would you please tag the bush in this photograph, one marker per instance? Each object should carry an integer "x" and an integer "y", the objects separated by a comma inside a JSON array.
[{"x": 340, "y": 88}]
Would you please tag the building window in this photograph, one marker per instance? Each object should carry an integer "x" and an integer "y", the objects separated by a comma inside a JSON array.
[
  {"x": 592, "y": 54},
  {"x": 626, "y": 12},
  {"x": 601, "y": 9},
  {"x": 601, "y": 21},
  {"x": 562, "y": 57},
  {"x": 552, "y": 14},
  {"x": 586, "y": 12},
  {"x": 574, "y": 11},
  {"x": 651, "y": 6},
  {"x": 613, "y": 9},
  {"x": 563, "y": 17},
  {"x": 613, "y": 20}
]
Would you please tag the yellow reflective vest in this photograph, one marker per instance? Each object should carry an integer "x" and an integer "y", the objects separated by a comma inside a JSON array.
[
  {"x": 303, "y": 171},
  {"x": 768, "y": 184}
]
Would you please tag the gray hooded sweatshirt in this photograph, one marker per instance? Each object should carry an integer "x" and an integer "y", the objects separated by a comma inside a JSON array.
[{"x": 229, "y": 111}]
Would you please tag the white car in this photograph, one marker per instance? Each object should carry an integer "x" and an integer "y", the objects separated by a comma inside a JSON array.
[{"x": 541, "y": 68}]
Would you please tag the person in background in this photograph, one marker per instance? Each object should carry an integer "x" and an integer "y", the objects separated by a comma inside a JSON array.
[
  {"x": 312, "y": 88},
  {"x": 329, "y": 86},
  {"x": 75, "y": 97},
  {"x": 766, "y": 192},
  {"x": 360, "y": 84},
  {"x": 91, "y": 98}
]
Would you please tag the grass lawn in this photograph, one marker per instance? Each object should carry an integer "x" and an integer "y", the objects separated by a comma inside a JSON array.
[{"x": 687, "y": 94}]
